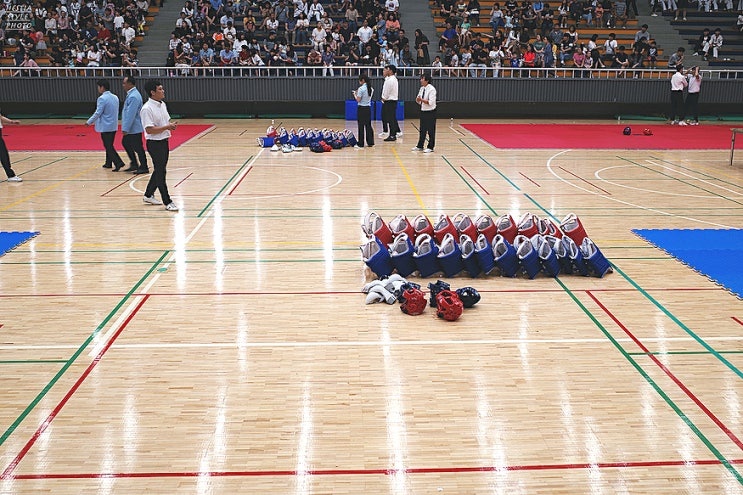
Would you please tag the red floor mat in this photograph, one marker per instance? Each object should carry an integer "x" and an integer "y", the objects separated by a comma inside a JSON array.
[
  {"x": 603, "y": 136},
  {"x": 48, "y": 137}
]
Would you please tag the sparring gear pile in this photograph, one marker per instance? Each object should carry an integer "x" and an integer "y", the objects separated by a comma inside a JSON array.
[
  {"x": 316, "y": 140},
  {"x": 530, "y": 246},
  {"x": 448, "y": 304}
]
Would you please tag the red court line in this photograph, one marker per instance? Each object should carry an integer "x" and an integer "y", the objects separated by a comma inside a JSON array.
[
  {"x": 180, "y": 294},
  {"x": 670, "y": 375},
  {"x": 529, "y": 179},
  {"x": 8, "y": 473},
  {"x": 116, "y": 187},
  {"x": 733, "y": 317},
  {"x": 586, "y": 181},
  {"x": 470, "y": 175},
  {"x": 366, "y": 472},
  {"x": 240, "y": 181},
  {"x": 183, "y": 180}
]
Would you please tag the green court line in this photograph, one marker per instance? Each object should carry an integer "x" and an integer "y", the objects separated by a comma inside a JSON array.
[
  {"x": 655, "y": 386},
  {"x": 490, "y": 165},
  {"x": 33, "y": 361},
  {"x": 468, "y": 185},
  {"x": 640, "y": 370},
  {"x": 709, "y": 176},
  {"x": 209, "y": 204},
  {"x": 673, "y": 353},
  {"x": 553, "y": 217},
  {"x": 718, "y": 195},
  {"x": 678, "y": 322},
  {"x": 77, "y": 353}
]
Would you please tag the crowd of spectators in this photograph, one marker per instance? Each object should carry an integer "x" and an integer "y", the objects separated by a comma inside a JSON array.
[
  {"x": 97, "y": 33},
  {"x": 533, "y": 34},
  {"x": 288, "y": 33}
]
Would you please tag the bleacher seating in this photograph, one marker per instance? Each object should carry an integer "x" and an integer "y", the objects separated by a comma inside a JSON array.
[{"x": 731, "y": 53}]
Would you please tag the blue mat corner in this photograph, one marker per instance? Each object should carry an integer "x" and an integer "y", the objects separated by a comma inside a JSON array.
[
  {"x": 715, "y": 253},
  {"x": 11, "y": 240}
]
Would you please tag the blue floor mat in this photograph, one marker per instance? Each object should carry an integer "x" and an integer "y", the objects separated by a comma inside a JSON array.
[
  {"x": 11, "y": 240},
  {"x": 716, "y": 254}
]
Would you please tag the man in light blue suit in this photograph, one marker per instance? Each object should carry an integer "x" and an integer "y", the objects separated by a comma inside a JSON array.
[
  {"x": 106, "y": 118},
  {"x": 131, "y": 127}
]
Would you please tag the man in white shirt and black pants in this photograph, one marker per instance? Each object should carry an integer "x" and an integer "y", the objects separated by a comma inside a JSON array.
[
  {"x": 389, "y": 102},
  {"x": 157, "y": 127},
  {"x": 427, "y": 100},
  {"x": 678, "y": 84}
]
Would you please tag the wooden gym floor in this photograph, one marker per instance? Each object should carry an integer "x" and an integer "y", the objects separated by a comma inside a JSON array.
[{"x": 227, "y": 348}]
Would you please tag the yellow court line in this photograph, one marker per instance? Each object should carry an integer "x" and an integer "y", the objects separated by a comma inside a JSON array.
[
  {"x": 410, "y": 181},
  {"x": 48, "y": 188}
]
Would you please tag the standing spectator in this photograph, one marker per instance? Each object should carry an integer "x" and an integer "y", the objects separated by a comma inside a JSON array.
[
  {"x": 389, "y": 102},
  {"x": 131, "y": 128},
  {"x": 678, "y": 83},
  {"x": 642, "y": 38},
  {"x": 157, "y": 127},
  {"x": 363, "y": 97},
  {"x": 4, "y": 156},
  {"x": 106, "y": 118},
  {"x": 427, "y": 100},
  {"x": 328, "y": 60},
  {"x": 610, "y": 46},
  {"x": 692, "y": 98},
  {"x": 423, "y": 59}
]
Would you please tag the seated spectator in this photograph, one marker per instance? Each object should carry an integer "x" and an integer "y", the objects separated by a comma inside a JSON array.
[
  {"x": 227, "y": 57},
  {"x": 714, "y": 43},
  {"x": 30, "y": 66},
  {"x": 642, "y": 38},
  {"x": 94, "y": 56},
  {"x": 621, "y": 61},
  {"x": 637, "y": 60},
  {"x": 702, "y": 41},
  {"x": 448, "y": 37},
  {"x": 676, "y": 58},
  {"x": 318, "y": 37}
]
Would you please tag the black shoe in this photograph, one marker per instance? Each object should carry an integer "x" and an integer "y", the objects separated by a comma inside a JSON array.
[
  {"x": 141, "y": 171},
  {"x": 390, "y": 138},
  {"x": 106, "y": 166},
  {"x": 117, "y": 167},
  {"x": 131, "y": 168}
]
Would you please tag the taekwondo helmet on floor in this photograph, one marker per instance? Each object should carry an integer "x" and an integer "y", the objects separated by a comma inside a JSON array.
[
  {"x": 413, "y": 301},
  {"x": 627, "y": 131},
  {"x": 448, "y": 305}
]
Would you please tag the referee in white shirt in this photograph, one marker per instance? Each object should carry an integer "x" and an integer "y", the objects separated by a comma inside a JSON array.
[
  {"x": 427, "y": 100},
  {"x": 389, "y": 102},
  {"x": 157, "y": 127}
]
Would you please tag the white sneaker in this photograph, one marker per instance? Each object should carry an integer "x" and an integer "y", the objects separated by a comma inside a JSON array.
[
  {"x": 694, "y": 123},
  {"x": 654, "y": 14},
  {"x": 172, "y": 207},
  {"x": 274, "y": 148},
  {"x": 399, "y": 134},
  {"x": 428, "y": 150},
  {"x": 151, "y": 200},
  {"x": 416, "y": 149},
  {"x": 683, "y": 122},
  {"x": 383, "y": 134},
  {"x": 15, "y": 178}
]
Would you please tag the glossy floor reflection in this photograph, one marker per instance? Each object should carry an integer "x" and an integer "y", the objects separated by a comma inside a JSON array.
[{"x": 226, "y": 348}]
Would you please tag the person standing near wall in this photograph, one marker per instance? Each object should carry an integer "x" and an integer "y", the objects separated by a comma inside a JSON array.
[
  {"x": 678, "y": 83},
  {"x": 692, "y": 98},
  {"x": 4, "y": 156},
  {"x": 427, "y": 100},
  {"x": 363, "y": 97},
  {"x": 131, "y": 127},
  {"x": 389, "y": 101}
]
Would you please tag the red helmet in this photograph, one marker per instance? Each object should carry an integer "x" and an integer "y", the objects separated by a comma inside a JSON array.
[
  {"x": 413, "y": 301},
  {"x": 647, "y": 132},
  {"x": 449, "y": 306}
]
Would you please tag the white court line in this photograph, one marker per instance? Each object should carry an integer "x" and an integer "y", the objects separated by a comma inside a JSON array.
[
  {"x": 704, "y": 181},
  {"x": 660, "y": 212},
  {"x": 147, "y": 176},
  {"x": 366, "y": 343},
  {"x": 597, "y": 174},
  {"x": 100, "y": 340}
]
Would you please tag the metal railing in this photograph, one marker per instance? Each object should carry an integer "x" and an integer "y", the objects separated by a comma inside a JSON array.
[{"x": 355, "y": 71}]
